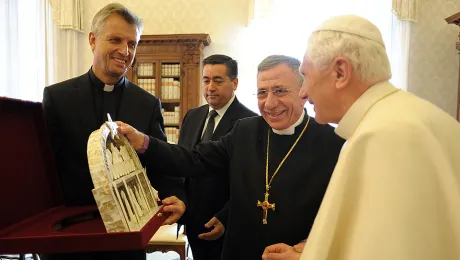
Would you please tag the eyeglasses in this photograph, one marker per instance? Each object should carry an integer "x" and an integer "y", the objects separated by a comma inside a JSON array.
[{"x": 279, "y": 92}]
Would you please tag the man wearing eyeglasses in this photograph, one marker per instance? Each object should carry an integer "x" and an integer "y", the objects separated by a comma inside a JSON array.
[
  {"x": 395, "y": 191},
  {"x": 278, "y": 165}
]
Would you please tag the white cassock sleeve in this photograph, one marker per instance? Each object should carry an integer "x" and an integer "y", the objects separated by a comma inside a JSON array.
[{"x": 394, "y": 195}]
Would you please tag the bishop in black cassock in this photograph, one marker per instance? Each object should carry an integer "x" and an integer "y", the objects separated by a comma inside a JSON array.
[{"x": 297, "y": 189}]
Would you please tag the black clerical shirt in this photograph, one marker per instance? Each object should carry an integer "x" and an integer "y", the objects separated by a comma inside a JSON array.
[{"x": 104, "y": 101}]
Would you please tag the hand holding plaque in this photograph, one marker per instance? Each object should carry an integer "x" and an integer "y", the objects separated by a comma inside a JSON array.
[{"x": 122, "y": 191}]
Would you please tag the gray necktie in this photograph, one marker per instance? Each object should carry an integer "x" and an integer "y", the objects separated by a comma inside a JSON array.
[{"x": 210, "y": 127}]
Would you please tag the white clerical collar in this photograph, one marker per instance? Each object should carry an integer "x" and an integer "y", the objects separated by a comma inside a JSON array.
[
  {"x": 221, "y": 111},
  {"x": 290, "y": 130},
  {"x": 353, "y": 116},
  {"x": 108, "y": 88}
]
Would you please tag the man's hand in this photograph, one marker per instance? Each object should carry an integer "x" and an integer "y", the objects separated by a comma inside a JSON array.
[
  {"x": 216, "y": 232},
  {"x": 174, "y": 206},
  {"x": 283, "y": 252},
  {"x": 135, "y": 138}
]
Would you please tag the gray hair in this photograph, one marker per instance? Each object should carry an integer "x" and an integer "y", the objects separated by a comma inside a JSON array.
[
  {"x": 115, "y": 8},
  {"x": 369, "y": 59},
  {"x": 274, "y": 60}
]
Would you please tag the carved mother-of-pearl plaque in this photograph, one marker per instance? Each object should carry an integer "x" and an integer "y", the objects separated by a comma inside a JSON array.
[{"x": 123, "y": 194}]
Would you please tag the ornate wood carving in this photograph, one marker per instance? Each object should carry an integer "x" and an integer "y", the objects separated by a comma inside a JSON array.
[{"x": 192, "y": 54}]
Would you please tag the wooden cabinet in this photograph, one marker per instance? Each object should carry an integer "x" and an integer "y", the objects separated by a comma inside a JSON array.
[
  {"x": 169, "y": 67},
  {"x": 455, "y": 19}
]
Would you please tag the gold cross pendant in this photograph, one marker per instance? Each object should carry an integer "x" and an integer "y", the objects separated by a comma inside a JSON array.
[{"x": 265, "y": 205}]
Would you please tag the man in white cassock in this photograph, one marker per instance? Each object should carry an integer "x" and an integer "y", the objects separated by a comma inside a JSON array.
[{"x": 395, "y": 191}]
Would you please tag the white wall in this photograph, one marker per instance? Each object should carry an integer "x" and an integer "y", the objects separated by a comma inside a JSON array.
[
  {"x": 433, "y": 60},
  {"x": 433, "y": 69}
]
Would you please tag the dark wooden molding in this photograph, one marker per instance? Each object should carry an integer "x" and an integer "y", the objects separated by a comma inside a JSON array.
[
  {"x": 454, "y": 19},
  {"x": 198, "y": 39}
]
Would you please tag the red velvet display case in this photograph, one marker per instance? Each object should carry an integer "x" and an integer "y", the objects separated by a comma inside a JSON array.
[{"x": 33, "y": 217}]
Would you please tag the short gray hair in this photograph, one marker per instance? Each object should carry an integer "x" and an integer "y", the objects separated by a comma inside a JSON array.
[
  {"x": 115, "y": 8},
  {"x": 274, "y": 60},
  {"x": 369, "y": 59}
]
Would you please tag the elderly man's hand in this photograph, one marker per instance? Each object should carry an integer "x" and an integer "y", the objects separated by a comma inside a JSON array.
[
  {"x": 283, "y": 252},
  {"x": 216, "y": 232},
  {"x": 175, "y": 207},
  {"x": 135, "y": 138}
]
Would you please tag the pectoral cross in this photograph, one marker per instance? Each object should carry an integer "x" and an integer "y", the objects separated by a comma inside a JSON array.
[{"x": 265, "y": 205}]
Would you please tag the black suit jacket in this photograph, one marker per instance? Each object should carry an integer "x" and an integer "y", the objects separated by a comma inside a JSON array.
[
  {"x": 202, "y": 207},
  {"x": 71, "y": 118},
  {"x": 297, "y": 190}
]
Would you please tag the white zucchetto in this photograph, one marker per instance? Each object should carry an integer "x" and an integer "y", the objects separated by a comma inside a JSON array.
[{"x": 353, "y": 24}]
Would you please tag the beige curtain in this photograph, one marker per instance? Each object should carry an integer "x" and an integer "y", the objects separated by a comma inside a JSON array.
[
  {"x": 68, "y": 14},
  {"x": 398, "y": 52},
  {"x": 64, "y": 37},
  {"x": 22, "y": 33},
  {"x": 406, "y": 10}
]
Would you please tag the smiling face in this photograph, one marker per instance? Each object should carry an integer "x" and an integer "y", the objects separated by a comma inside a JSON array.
[
  {"x": 217, "y": 86},
  {"x": 114, "y": 49},
  {"x": 283, "y": 109},
  {"x": 319, "y": 87}
]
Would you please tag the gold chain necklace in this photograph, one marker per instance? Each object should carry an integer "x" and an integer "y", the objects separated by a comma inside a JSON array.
[{"x": 265, "y": 205}]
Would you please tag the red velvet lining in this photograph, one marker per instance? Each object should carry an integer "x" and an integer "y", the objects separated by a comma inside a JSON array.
[
  {"x": 29, "y": 183},
  {"x": 37, "y": 234},
  {"x": 31, "y": 199}
]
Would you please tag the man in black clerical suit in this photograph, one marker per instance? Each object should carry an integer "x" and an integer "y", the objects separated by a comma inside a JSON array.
[
  {"x": 278, "y": 165},
  {"x": 210, "y": 122},
  {"x": 77, "y": 107}
]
